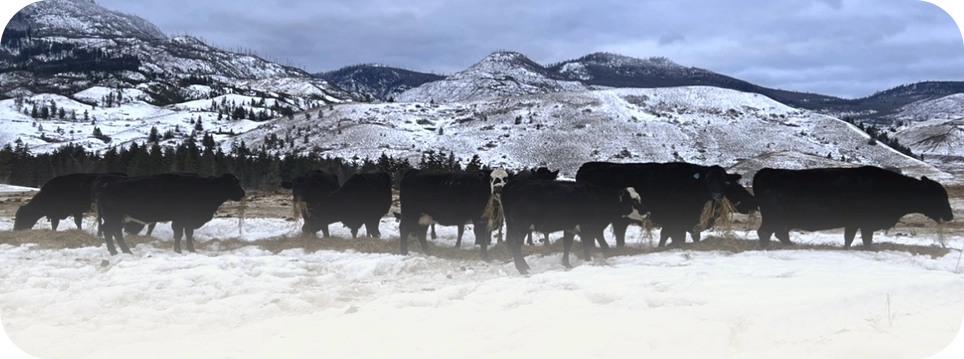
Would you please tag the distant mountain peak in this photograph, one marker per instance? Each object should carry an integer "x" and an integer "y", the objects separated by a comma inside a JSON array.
[
  {"x": 613, "y": 59},
  {"x": 81, "y": 18}
]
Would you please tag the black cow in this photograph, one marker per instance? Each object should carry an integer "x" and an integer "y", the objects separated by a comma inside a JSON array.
[
  {"x": 541, "y": 173},
  {"x": 187, "y": 201},
  {"x": 866, "y": 198},
  {"x": 60, "y": 197},
  {"x": 309, "y": 192},
  {"x": 574, "y": 207},
  {"x": 449, "y": 199},
  {"x": 674, "y": 192},
  {"x": 741, "y": 199},
  {"x": 364, "y": 199}
]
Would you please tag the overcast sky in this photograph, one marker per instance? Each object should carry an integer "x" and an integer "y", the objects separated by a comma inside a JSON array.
[{"x": 848, "y": 48}]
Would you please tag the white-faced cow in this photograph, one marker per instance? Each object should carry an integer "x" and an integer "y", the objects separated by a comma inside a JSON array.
[
  {"x": 864, "y": 198},
  {"x": 449, "y": 199},
  {"x": 60, "y": 197},
  {"x": 675, "y": 193},
  {"x": 574, "y": 207},
  {"x": 310, "y": 192},
  {"x": 363, "y": 199},
  {"x": 187, "y": 201}
]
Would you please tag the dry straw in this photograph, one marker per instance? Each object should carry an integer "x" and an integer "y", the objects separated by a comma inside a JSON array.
[
  {"x": 494, "y": 213},
  {"x": 719, "y": 211}
]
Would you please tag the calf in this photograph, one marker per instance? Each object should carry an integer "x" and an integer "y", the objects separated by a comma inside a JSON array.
[
  {"x": 675, "y": 193},
  {"x": 866, "y": 198},
  {"x": 310, "y": 192},
  {"x": 449, "y": 199},
  {"x": 364, "y": 199},
  {"x": 60, "y": 197},
  {"x": 187, "y": 201},
  {"x": 573, "y": 207}
]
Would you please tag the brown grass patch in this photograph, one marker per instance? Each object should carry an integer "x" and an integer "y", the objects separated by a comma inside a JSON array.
[{"x": 47, "y": 239}]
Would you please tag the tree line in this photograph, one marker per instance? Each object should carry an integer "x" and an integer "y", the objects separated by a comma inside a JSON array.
[{"x": 255, "y": 167}]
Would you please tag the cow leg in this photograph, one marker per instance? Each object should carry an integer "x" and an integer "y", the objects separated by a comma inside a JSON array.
[
  {"x": 601, "y": 239},
  {"x": 354, "y": 232},
  {"x": 545, "y": 238},
  {"x": 566, "y": 246},
  {"x": 422, "y": 241},
  {"x": 79, "y": 219},
  {"x": 848, "y": 235},
  {"x": 663, "y": 235},
  {"x": 868, "y": 237},
  {"x": 482, "y": 238},
  {"x": 677, "y": 236},
  {"x": 435, "y": 236},
  {"x": 588, "y": 242},
  {"x": 529, "y": 239},
  {"x": 109, "y": 238},
  {"x": 119, "y": 236},
  {"x": 189, "y": 233},
  {"x": 177, "y": 236},
  {"x": 514, "y": 241},
  {"x": 764, "y": 233},
  {"x": 619, "y": 230},
  {"x": 458, "y": 242},
  {"x": 371, "y": 228},
  {"x": 696, "y": 235},
  {"x": 324, "y": 231},
  {"x": 783, "y": 234},
  {"x": 404, "y": 230},
  {"x": 54, "y": 223},
  {"x": 150, "y": 228}
]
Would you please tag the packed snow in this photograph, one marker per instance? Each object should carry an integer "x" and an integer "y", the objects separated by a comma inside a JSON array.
[{"x": 250, "y": 303}]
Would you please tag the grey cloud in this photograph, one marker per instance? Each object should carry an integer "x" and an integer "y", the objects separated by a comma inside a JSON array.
[{"x": 848, "y": 48}]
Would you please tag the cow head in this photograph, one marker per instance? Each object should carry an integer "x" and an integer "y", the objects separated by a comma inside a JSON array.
[
  {"x": 497, "y": 178},
  {"x": 934, "y": 203},
  {"x": 629, "y": 199},
  {"x": 742, "y": 200},
  {"x": 27, "y": 216},
  {"x": 714, "y": 179},
  {"x": 232, "y": 186}
]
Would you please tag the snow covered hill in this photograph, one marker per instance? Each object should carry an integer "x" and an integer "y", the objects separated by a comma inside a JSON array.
[
  {"x": 373, "y": 81},
  {"x": 946, "y": 107},
  {"x": 501, "y": 74},
  {"x": 706, "y": 125},
  {"x": 74, "y": 120},
  {"x": 66, "y": 46}
]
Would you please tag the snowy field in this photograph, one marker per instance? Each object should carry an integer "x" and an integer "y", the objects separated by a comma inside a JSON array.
[{"x": 251, "y": 303}]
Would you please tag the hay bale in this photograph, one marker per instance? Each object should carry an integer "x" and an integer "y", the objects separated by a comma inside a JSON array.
[{"x": 719, "y": 212}]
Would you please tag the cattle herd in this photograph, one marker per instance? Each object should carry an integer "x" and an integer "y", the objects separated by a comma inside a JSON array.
[{"x": 680, "y": 197}]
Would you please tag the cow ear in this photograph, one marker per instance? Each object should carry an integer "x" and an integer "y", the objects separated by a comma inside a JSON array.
[
  {"x": 286, "y": 185},
  {"x": 924, "y": 178},
  {"x": 555, "y": 173}
]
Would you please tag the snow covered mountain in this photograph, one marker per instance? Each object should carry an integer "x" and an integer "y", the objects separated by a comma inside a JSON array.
[
  {"x": 66, "y": 46},
  {"x": 373, "y": 81},
  {"x": 501, "y": 74},
  {"x": 706, "y": 125}
]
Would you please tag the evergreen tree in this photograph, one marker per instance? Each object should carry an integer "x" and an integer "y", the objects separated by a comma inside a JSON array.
[
  {"x": 86, "y": 117},
  {"x": 33, "y": 111},
  {"x": 197, "y": 125},
  {"x": 61, "y": 113},
  {"x": 153, "y": 136},
  {"x": 474, "y": 164}
]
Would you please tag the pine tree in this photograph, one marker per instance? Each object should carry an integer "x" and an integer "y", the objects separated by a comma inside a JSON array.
[
  {"x": 197, "y": 125},
  {"x": 33, "y": 112},
  {"x": 86, "y": 117},
  {"x": 61, "y": 113},
  {"x": 474, "y": 164},
  {"x": 153, "y": 136}
]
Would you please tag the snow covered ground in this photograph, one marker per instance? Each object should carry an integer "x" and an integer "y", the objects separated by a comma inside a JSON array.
[{"x": 251, "y": 303}]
